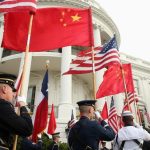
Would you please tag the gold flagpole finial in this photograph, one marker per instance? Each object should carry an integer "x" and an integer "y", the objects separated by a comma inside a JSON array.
[{"x": 47, "y": 64}]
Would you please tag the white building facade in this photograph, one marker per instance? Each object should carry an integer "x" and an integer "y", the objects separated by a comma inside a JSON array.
[{"x": 66, "y": 90}]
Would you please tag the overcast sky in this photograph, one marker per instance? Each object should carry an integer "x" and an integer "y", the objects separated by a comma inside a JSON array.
[{"x": 132, "y": 18}]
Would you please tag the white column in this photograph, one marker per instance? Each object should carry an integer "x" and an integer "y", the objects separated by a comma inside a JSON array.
[
  {"x": 146, "y": 93},
  {"x": 98, "y": 74},
  {"x": 65, "y": 105},
  {"x": 27, "y": 73},
  {"x": 119, "y": 102}
]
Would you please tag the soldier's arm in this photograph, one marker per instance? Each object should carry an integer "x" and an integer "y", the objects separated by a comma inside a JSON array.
[
  {"x": 21, "y": 125},
  {"x": 105, "y": 132}
]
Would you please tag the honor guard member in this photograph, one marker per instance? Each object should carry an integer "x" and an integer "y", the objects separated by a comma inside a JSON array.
[
  {"x": 10, "y": 122},
  {"x": 87, "y": 133},
  {"x": 131, "y": 136},
  {"x": 54, "y": 145}
]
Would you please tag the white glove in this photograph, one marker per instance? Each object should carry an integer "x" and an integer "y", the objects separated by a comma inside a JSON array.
[
  {"x": 21, "y": 99},
  {"x": 97, "y": 115}
]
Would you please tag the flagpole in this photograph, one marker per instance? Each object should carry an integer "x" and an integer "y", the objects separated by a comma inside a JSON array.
[
  {"x": 135, "y": 106},
  {"x": 125, "y": 86},
  {"x": 24, "y": 70},
  {"x": 94, "y": 76},
  {"x": 26, "y": 57}
]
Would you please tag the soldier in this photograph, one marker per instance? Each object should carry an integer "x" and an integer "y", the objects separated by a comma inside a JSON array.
[
  {"x": 10, "y": 122},
  {"x": 131, "y": 136},
  {"x": 86, "y": 133},
  {"x": 54, "y": 145}
]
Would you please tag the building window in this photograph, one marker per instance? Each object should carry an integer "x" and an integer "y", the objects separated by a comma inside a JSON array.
[{"x": 31, "y": 97}]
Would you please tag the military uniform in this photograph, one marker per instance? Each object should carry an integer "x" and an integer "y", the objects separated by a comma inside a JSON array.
[
  {"x": 130, "y": 137},
  {"x": 10, "y": 122},
  {"x": 27, "y": 144},
  {"x": 54, "y": 145},
  {"x": 87, "y": 133}
]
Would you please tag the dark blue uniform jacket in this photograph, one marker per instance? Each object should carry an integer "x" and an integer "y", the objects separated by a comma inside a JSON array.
[
  {"x": 11, "y": 123},
  {"x": 90, "y": 133},
  {"x": 28, "y": 145}
]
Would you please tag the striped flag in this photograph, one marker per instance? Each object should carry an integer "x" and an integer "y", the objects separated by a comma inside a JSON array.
[
  {"x": 103, "y": 57},
  {"x": 113, "y": 118},
  {"x": 41, "y": 114},
  {"x": 17, "y": 5},
  {"x": 132, "y": 96}
]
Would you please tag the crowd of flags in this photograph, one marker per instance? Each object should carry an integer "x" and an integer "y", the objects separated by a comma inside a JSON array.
[{"x": 53, "y": 28}]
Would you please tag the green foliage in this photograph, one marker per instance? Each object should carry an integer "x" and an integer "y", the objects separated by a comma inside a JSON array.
[
  {"x": 46, "y": 141},
  {"x": 63, "y": 146}
]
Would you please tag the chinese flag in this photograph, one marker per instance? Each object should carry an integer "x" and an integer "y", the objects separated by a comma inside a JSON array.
[
  {"x": 113, "y": 81},
  {"x": 104, "y": 112},
  {"x": 52, "y": 122},
  {"x": 52, "y": 28}
]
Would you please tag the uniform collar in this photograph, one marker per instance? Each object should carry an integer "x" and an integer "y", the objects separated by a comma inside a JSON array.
[{"x": 84, "y": 117}]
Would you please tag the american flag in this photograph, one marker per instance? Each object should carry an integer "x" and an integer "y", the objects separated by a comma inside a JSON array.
[
  {"x": 113, "y": 118},
  {"x": 131, "y": 98},
  {"x": 17, "y": 5},
  {"x": 103, "y": 57}
]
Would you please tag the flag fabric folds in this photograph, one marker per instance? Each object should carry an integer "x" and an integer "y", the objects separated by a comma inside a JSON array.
[
  {"x": 113, "y": 81},
  {"x": 41, "y": 115},
  {"x": 103, "y": 57},
  {"x": 52, "y": 28},
  {"x": 52, "y": 122},
  {"x": 17, "y": 5},
  {"x": 132, "y": 96},
  {"x": 104, "y": 112},
  {"x": 113, "y": 118}
]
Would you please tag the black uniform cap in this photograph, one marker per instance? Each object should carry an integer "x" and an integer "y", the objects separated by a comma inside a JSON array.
[
  {"x": 8, "y": 79},
  {"x": 56, "y": 134},
  {"x": 87, "y": 103}
]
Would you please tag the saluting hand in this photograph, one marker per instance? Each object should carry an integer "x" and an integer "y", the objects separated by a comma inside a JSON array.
[
  {"x": 21, "y": 101},
  {"x": 98, "y": 116}
]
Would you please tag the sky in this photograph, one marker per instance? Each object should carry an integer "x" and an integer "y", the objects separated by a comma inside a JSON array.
[{"x": 132, "y": 17}]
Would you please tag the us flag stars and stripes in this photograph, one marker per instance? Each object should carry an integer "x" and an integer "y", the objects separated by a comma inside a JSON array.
[
  {"x": 17, "y": 5},
  {"x": 103, "y": 57},
  {"x": 112, "y": 118},
  {"x": 132, "y": 97}
]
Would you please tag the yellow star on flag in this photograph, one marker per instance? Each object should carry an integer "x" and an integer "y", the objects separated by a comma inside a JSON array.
[{"x": 76, "y": 18}]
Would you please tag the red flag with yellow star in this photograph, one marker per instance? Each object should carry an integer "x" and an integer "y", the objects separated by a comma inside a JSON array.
[
  {"x": 52, "y": 28},
  {"x": 113, "y": 81}
]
